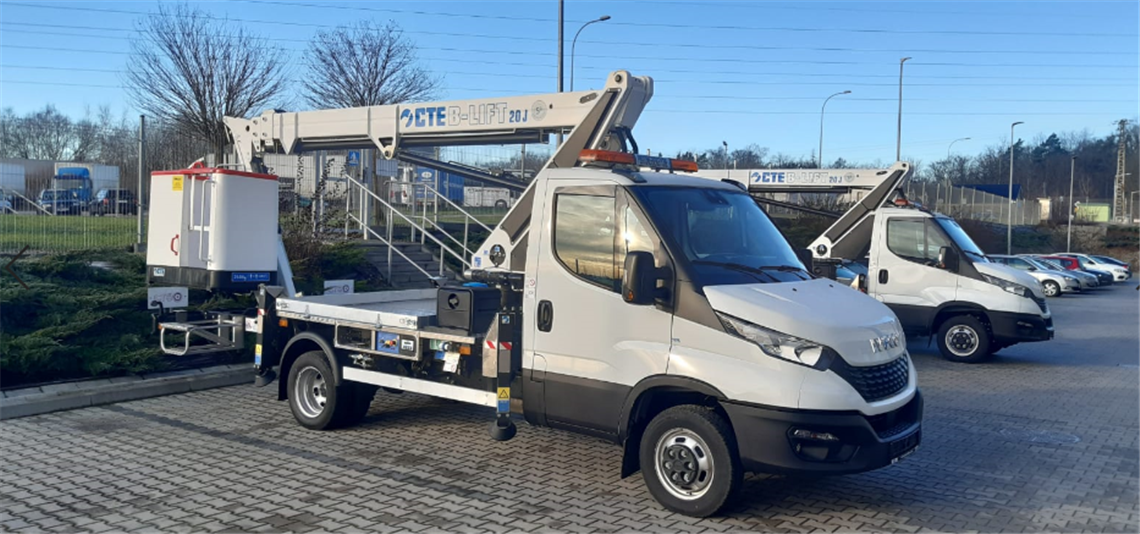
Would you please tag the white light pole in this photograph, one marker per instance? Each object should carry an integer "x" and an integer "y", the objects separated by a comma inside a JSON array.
[
  {"x": 898, "y": 143},
  {"x": 1009, "y": 215},
  {"x": 574, "y": 43},
  {"x": 821, "y": 124},
  {"x": 726, "y": 171},
  {"x": 952, "y": 145},
  {"x": 1072, "y": 173}
]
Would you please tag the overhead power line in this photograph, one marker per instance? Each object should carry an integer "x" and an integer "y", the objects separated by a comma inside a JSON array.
[
  {"x": 684, "y": 26},
  {"x": 673, "y": 60},
  {"x": 645, "y": 43},
  {"x": 613, "y": 23},
  {"x": 660, "y": 96},
  {"x": 690, "y": 111}
]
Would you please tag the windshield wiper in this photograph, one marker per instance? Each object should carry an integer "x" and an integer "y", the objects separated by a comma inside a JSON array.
[
  {"x": 785, "y": 269},
  {"x": 740, "y": 267}
]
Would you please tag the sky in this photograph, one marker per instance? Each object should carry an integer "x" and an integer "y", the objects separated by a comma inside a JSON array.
[{"x": 740, "y": 72}]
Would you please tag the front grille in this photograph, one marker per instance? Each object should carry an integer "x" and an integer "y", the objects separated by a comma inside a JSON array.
[
  {"x": 875, "y": 382},
  {"x": 1040, "y": 302},
  {"x": 890, "y": 424}
]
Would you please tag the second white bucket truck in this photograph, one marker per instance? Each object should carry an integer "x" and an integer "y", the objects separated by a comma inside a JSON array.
[{"x": 921, "y": 264}]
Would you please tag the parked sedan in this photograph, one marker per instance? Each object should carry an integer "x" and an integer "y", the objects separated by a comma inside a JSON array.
[
  {"x": 1104, "y": 277},
  {"x": 1088, "y": 280},
  {"x": 1053, "y": 283},
  {"x": 1111, "y": 260},
  {"x": 1118, "y": 272}
]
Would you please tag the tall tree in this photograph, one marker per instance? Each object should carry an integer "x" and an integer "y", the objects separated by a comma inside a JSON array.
[
  {"x": 190, "y": 70},
  {"x": 365, "y": 64}
]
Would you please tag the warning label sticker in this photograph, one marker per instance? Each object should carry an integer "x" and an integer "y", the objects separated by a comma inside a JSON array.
[
  {"x": 176, "y": 182},
  {"x": 504, "y": 393}
]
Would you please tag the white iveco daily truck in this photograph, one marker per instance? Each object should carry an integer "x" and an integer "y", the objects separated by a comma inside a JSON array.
[{"x": 658, "y": 310}]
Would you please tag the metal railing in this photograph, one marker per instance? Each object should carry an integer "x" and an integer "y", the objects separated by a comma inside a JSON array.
[{"x": 392, "y": 216}]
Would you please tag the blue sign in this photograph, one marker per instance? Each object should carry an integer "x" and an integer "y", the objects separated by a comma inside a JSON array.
[
  {"x": 353, "y": 159},
  {"x": 249, "y": 277}
]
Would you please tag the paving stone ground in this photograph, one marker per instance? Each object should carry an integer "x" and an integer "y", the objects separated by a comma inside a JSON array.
[{"x": 1045, "y": 438}]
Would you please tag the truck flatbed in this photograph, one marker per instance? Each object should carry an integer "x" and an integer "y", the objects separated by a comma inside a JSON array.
[{"x": 412, "y": 309}]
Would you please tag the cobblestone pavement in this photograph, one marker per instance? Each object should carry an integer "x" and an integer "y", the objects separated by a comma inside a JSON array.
[{"x": 1044, "y": 438}]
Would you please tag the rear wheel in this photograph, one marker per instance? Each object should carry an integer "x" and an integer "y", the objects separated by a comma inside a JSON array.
[
  {"x": 315, "y": 399},
  {"x": 1051, "y": 288},
  {"x": 964, "y": 338},
  {"x": 689, "y": 460}
]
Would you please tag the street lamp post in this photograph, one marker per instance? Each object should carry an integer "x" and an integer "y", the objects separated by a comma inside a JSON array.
[
  {"x": 726, "y": 171},
  {"x": 898, "y": 143},
  {"x": 1072, "y": 173},
  {"x": 574, "y": 44},
  {"x": 952, "y": 145},
  {"x": 561, "y": 44},
  {"x": 1009, "y": 215},
  {"x": 821, "y": 124}
]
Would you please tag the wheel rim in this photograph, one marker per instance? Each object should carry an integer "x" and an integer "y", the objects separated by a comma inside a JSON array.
[
  {"x": 962, "y": 340},
  {"x": 310, "y": 392},
  {"x": 684, "y": 464},
  {"x": 1051, "y": 289}
]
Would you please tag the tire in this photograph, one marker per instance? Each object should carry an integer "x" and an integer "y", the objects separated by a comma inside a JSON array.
[
  {"x": 964, "y": 338},
  {"x": 316, "y": 403},
  {"x": 690, "y": 432},
  {"x": 1051, "y": 288}
]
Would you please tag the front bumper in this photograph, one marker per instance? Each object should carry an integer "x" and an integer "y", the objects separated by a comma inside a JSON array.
[
  {"x": 1009, "y": 328},
  {"x": 1071, "y": 286},
  {"x": 764, "y": 437}
]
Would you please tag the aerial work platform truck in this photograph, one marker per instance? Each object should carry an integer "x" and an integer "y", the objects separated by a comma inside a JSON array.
[{"x": 620, "y": 297}]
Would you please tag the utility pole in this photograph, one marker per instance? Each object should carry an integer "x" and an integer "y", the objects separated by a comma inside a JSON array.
[
  {"x": 898, "y": 142},
  {"x": 1072, "y": 173},
  {"x": 1118, "y": 195},
  {"x": 1009, "y": 214},
  {"x": 139, "y": 194},
  {"x": 561, "y": 13}
]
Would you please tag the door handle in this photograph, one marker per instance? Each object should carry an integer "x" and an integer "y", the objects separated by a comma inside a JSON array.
[
  {"x": 882, "y": 276},
  {"x": 545, "y": 315}
]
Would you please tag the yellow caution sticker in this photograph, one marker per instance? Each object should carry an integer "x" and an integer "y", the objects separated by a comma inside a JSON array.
[
  {"x": 176, "y": 182},
  {"x": 504, "y": 393},
  {"x": 257, "y": 349}
]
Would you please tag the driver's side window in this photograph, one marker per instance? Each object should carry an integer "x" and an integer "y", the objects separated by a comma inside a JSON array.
[{"x": 916, "y": 240}]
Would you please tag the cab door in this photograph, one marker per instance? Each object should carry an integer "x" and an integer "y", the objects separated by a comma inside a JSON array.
[
  {"x": 905, "y": 274},
  {"x": 595, "y": 347}
]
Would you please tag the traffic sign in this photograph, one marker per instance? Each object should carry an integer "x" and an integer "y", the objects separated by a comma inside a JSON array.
[{"x": 353, "y": 159}]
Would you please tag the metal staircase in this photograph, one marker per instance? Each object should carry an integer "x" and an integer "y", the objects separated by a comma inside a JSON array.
[{"x": 413, "y": 246}]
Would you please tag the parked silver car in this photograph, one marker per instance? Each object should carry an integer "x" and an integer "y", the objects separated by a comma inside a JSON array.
[{"x": 1054, "y": 283}]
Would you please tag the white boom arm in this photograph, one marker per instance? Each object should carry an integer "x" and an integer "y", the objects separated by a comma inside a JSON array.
[{"x": 484, "y": 121}]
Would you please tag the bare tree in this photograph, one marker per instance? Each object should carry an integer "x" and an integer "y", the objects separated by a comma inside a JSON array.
[
  {"x": 366, "y": 64},
  {"x": 190, "y": 70}
]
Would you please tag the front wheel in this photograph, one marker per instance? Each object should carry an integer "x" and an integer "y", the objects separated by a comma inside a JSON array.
[
  {"x": 689, "y": 460},
  {"x": 1051, "y": 288},
  {"x": 964, "y": 338}
]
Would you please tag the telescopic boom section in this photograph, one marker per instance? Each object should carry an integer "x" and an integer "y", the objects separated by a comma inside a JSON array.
[{"x": 595, "y": 119}]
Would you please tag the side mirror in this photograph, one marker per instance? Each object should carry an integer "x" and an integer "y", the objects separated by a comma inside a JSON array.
[
  {"x": 805, "y": 257},
  {"x": 639, "y": 282},
  {"x": 948, "y": 259}
]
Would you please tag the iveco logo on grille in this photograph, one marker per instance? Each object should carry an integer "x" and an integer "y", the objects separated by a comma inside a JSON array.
[{"x": 887, "y": 342}]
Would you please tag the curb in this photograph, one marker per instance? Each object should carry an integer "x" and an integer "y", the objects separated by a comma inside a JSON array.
[{"x": 69, "y": 396}]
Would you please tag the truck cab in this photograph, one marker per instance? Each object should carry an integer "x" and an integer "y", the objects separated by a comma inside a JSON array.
[{"x": 939, "y": 283}]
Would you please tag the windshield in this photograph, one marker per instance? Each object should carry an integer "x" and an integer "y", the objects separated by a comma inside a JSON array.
[
  {"x": 723, "y": 235},
  {"x": 961, "y": 238},
  {"x": 1039, "y": 264}
]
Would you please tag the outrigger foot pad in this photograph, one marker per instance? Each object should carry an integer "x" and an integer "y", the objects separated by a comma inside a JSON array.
[
  {"x": 503, "y": 429},
  {"x": 264, "y": 379}
]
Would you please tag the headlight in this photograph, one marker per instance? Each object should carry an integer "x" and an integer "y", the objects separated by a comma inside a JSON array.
[
  {"x": 778, "y": 344},
  {"x": 1016, "y": 289}
]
